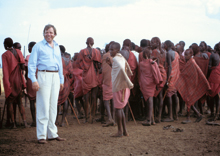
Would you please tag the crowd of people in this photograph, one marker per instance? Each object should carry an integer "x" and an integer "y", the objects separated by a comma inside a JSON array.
[{"x": 153, "y": 82}]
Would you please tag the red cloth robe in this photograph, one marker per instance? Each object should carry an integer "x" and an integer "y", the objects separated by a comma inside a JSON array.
[
  {"x": 86, "y": 63},
  {"x": 214, "y": 81},
  {"x": 150, "y": 77},
  {"x": 132, "y": 61},
  {"x": 161, "y": 60},
  {"x": 174, "y": 75},
  {"x": 203, "y": 64},
  {"x": 192, "y": 83},
  {"x": 106, "y": 78},
  {"x": 13, "y": 79},
  {"x": 30, "y": 92},
  {"x": 67, "y": 70},
  {"x": 77, "y": 84}
]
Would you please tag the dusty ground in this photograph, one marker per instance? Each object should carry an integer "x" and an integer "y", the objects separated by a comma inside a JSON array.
[{"x": 92, "y": 139}]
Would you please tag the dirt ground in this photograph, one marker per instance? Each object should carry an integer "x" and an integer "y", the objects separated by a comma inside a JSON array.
[{"x": 93, "y": 139}]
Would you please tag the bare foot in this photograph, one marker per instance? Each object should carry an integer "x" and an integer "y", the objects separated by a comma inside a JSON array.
[
  {"x": 109, "y": 123},
  {"x": 186, "y": 121},
  {"x": 167, "y": 120},
  {"x": 117, "y": 135},
  {"x": 13, "y": 126},
  {"x": 146, "y": 123},
  {"x": 125, "y": 134},
  {"x": 199, "y": 118}
]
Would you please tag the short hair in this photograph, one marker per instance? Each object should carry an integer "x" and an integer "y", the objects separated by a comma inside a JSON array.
[
  {"x": 133, "y": 45},
  {"x": 9, "y": 42},
  {"x": 48, "y": 26},
  {"x": 15, "y": 45},
  {"x": 62, "y": 48},
  {"x": 127, "y": 42},
  {"x": 195, "y": 48},
  {"x": 143, "y": 43},
  {"x": 116, "y": 45},
  {"x": 182, "y": 43},
  {"x": 106, "y": 48},
  {"x": 31, "y": 44},
  {"x": 205, "y": 44},
  {"x": 169, "y": 44}
]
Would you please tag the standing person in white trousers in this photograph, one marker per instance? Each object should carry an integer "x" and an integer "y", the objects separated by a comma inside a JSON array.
[{"x": 46, "y": 57}]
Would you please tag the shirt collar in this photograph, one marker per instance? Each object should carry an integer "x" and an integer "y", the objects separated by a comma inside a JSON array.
[{"x": 45, "y": 42}]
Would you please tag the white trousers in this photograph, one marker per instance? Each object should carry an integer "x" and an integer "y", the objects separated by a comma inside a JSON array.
[{"x": 46, "y": 104}]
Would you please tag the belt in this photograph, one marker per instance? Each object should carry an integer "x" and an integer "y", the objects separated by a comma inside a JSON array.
[{"x": 52, "y": 71}]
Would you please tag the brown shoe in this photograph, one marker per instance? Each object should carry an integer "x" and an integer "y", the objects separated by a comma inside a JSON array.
[
  {"x": 58, "y": 139},
  {"x": 42, "y": 141}
]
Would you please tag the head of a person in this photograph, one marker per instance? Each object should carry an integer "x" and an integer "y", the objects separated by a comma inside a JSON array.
[
  {"x": 195, "y": 48},
  {"x": 133, "y": 45},
  {"x": 147, "y": 53},
  {"x": 62, "y": 49},
  {"x": 75, "y": 56},
  {"x": 182, "y": 43},
  {"x": 178, "y": 48},
  {"x": 217, "y": 48},
  {"x": 8, "y": 43},
  {"x": 145, "y": 43},
  {"x": 188, "y": 54},
  {"x": 108, "y": 45},
  {"x": 203, "y": 46},
  {"x": 209, "y": 49},
  {"x": 49, "y": 33},
  {"x": 30, "y": 46},
  {"x": 155, "y": 42},
  {"x": 90, "y": 42},
  {"x": 168, "y": 45},
  {"x": 114, "y": 49},
  {"x": 127, "y": 43},
  {"x": 17, "y": 45},
  {"x": 125, "y": 48}
]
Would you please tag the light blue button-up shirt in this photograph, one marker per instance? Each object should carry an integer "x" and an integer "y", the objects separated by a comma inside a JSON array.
[{"x": 44, "y": 57}]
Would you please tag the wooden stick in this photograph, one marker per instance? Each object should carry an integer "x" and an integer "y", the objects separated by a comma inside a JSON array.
[
  {"x": 167, "y": 88},
  {"x": 132, "y": 114},
  {"x": 73, "y": 111},
  {"x": 123, "y": 95},
  {"x": 66, "y": 121},
  {"x": 3, "y": 115}
]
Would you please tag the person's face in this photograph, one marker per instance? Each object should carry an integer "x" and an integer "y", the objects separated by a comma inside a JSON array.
[
  {"x": 202, "y": 46},
  {"x": 154, "y": 44},
  {"x": 187, "y": 55},
  {"x": 178, "y": 48},
  {"x": 49, "y": 35},
  {"x": 113, "y": 51}
]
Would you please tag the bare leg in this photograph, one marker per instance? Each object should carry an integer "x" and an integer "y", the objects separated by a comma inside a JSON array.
[
  {"x": 22, "y": 111},
  {"x": 112, "y": 109},
  {"x": 110, "y": 120},
  {"x": 87, "y": 102},
  {"x": 65, "y": 110},
  {"x": 188, "y": 118},
  {"x": 170, "y": 113},
  {"x": 118, "y": 113},
  {"x": 175, "y": 104},
  {"x": 102, "y": 111},
  {"x": 78, "y": 107},
  {"x": 125, "y": 133},
  {"x": 94, "y": 102},
  {"x": 126, "y": 113},
  {"x": 199, "y": 116},
  {"x": 149, "y": 112},
  {"x": 211, "y": 105},
  {"x": 33, "y": 114},
  {"x": 25, "y": 100},
  {"x": 200, "y": 107},
  {"x": 15, "y": 112},
  {"x": 217, "y": 102},
  {"x": 11, "y": 112},
  {"x": 160, "y": 97}
]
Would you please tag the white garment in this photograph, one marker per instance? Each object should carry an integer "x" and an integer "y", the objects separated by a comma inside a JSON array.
[
  {"x": 136, "y": 54},
  {"x": 46, "y": 104},
  {"x": 120, "y": 74}
]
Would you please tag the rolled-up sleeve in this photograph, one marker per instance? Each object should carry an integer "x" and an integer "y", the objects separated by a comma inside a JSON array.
[
  {"x": 32, "y": 64},
  {"x": 61, "y": 70}
]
